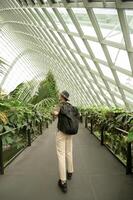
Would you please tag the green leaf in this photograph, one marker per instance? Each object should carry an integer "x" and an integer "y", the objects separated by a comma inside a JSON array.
[
  {"x": 1, "y": 128},
  {"x": 130, "y": 136},
  {"x": 9, "y": 140},
  {"x": 7, "y": 128}
]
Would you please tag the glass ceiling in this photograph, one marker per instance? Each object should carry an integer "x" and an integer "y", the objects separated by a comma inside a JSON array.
[{"x": 87, "y": 45}]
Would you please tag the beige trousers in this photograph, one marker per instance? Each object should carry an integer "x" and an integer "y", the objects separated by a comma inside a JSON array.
[{"x": 64, "y": 154}]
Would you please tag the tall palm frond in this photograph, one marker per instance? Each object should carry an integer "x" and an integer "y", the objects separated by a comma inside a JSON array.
[
  {"x": 44, "y": 103},
  {"x": 25, "y": 91}
]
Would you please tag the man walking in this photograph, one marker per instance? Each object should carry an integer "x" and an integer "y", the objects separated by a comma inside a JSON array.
[{"x": 68, "y": 118}]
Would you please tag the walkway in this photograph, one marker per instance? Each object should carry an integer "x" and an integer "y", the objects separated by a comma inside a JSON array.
[{"x": 98, "y": 175}]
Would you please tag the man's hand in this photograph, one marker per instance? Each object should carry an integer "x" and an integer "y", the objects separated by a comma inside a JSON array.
[{"x": 55, "y": 113}]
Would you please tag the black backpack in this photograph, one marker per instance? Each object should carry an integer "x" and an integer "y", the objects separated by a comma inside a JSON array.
[{"x": 68, "y": 119}]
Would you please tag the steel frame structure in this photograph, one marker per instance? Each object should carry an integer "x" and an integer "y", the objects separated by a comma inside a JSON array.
[{"x": 43, "y": 30}]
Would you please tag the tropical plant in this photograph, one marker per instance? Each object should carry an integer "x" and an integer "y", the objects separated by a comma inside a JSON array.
[
  {"x": 47, "y": 89},
  {"x": 25, "y": 91},
  {"x": 19, "y": 113},
  {"x": 117, "y": 124},
  {"x": 15, "y": 93}
]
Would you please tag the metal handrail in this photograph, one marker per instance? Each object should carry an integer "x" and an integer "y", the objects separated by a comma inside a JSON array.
[
  {"x": 129, "y": 151},
  {"x": 29, "y": 140}
]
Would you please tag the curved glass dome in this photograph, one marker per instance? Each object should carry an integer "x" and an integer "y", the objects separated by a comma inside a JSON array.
[{"x": 87, "y": 45}]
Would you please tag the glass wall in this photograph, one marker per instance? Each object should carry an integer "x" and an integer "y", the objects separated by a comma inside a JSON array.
[{"x": 91, "y": 48}]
